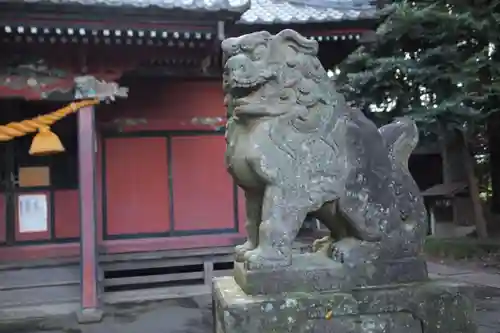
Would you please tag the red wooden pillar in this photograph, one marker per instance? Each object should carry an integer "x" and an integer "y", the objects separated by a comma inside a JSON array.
[{"x": 90, "y": 305}]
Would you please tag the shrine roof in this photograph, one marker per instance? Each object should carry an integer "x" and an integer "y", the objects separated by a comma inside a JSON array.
[
  {"x": 258, "y": 12},
  {"x": 237, "y": 6},
  {"x": 307, "y": 11}
]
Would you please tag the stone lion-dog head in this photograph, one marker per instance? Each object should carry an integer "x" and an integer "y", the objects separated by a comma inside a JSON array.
[{"x": 263, "y": 72}]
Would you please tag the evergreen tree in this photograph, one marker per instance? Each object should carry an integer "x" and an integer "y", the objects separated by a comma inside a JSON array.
[{"x": 437, "y": 61}]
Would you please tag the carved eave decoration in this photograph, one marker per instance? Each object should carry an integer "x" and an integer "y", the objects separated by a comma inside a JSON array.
[{"x": 37, "y": 81}]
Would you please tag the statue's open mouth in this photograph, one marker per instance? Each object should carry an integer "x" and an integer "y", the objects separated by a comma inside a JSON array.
[
  {"x": 244, "y": 95},
  {"x": 245, "y": 102},
  {"x": 246, "y": 83},
  {"x": 241, "y": 92}
]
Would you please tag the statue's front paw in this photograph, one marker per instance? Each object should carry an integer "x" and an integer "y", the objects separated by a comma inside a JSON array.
[
  {"x": 266, "y": 258},
  {"x": 323, "y": 245},
  {"x": 241, "y": 250}
]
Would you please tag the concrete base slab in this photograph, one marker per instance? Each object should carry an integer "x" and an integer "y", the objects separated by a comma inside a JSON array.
[{"x": 89, "y": 316}]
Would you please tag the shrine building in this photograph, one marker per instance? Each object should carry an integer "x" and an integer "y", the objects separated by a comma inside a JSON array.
[{"x": 140, "y": 205}]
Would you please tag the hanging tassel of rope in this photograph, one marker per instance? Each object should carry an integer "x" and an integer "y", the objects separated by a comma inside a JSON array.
[
  {"x": 45, "y": 141},
  {"x": 90, "y": 90}
]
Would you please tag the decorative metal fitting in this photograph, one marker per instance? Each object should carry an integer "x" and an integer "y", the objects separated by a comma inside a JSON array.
[{"x": 87, "y": 87}]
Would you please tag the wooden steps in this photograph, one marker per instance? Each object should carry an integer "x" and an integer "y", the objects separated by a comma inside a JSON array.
[
  {"x": 52, "y": 287},
  {"x": 39, "y": 285},
  {"x": 32, "y": 291},
  {"x": 160, "y": 275}
]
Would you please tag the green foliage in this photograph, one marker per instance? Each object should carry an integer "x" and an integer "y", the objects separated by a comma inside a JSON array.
[
  {"x": 460, "y": 248},
  {"x": 434, "y": 60}
]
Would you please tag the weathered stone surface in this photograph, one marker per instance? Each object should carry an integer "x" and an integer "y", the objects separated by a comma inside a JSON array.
[
  {"x": 296, "y": 148},
  {"x": 315, "y": 272},
  {"x": 380, "y": 323},
  {"x": 437, "y": 306}
]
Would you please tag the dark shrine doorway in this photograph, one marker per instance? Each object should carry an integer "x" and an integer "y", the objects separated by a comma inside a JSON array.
[{"x": 33, "y": 188}]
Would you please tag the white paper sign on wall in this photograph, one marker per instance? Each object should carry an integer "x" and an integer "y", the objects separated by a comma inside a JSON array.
[{"x": 33, "y": 213}]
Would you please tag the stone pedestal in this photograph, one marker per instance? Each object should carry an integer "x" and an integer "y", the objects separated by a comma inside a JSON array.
[
  {"x": 431, "y": 306},
  {"x": 311, "y": 272}
]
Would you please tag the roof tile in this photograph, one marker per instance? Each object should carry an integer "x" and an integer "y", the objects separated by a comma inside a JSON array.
[
  {"x": 197, "y": 5},
  {"x": 283, "y": 12},
  {"x": 254, "y": 11}
]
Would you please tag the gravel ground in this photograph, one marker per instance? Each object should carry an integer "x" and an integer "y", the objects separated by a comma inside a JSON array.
[{"x": 193, "y": 315}]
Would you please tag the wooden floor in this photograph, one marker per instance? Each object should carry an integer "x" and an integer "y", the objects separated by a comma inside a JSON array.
[
  {"x": 131, "y": 277},
  {"x": 160, "y": 275},
  {"x": 55, "y": 284},
  {"x": 39, "y": 288}
]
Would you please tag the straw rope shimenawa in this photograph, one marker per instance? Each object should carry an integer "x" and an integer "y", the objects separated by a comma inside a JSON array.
[{"x": 45, "y": 141}]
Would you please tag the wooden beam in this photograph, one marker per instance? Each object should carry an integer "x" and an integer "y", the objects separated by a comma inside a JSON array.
[
  {"x": 34, "y": 80},
  {"x": 38, "y": 80},
  {"x": 90, "y": 306},
  {"x": 88, "y": 87},
  {"x": 179, "y": 72}
]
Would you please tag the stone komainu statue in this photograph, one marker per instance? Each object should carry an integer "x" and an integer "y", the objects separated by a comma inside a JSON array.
[{"x": 296, "y": 148}]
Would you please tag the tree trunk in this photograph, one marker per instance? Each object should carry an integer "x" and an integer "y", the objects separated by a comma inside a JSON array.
[
  {"x": 458, "y": 166},
  {"x": 493, "y": 132},
  {"x": 468, "y": 162},
  {"x": 454, "y": 171}
]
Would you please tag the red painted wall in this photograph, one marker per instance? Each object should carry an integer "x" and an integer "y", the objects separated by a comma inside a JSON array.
[
  {"x": 137, "y": 167},
  {"x": 66, "y": 225},
  {"x": 166, "y": 105},
  {"x": 241, "y": 209},
  {"x": 67, "y": 213},
  {"x": 203, "y": 192},
  {"x": 137, "y": 198},
  {"x": 66, "y": 217},
  {"x": 3, "y": 224},
  {"x": 99, "y": 194}
]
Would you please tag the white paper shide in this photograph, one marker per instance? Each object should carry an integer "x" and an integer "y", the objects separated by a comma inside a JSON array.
[{"x": 32, "y": 210}]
